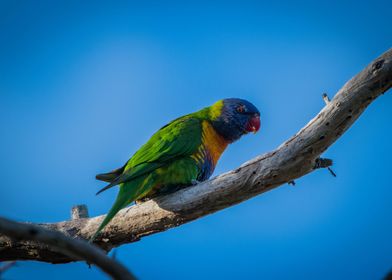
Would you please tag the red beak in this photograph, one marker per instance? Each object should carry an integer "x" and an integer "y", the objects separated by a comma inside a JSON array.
[{"x": 253, "y": 124}]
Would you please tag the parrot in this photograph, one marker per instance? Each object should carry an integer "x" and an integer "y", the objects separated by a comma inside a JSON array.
[{"x": 180, "y": 154}]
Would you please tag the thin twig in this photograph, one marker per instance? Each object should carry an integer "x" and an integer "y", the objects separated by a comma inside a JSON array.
[
  {"x": 326, "y": 98},
  {"x": 79, "y": 212}
]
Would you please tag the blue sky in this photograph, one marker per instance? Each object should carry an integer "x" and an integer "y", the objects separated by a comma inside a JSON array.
[{"x": 83, "y": 85}]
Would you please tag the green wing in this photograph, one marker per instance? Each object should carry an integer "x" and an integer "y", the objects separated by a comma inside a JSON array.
[{"x": 180, "y": 138}]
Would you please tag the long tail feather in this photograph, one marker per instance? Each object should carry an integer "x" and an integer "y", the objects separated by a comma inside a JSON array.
[
  {"x": 118, "y": 205},
  {"x": 129, "y": 192},
  {"x": 110, "y": 176}
]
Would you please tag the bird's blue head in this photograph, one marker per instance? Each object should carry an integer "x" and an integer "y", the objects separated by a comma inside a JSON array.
[{"x": 235, "y": 117}]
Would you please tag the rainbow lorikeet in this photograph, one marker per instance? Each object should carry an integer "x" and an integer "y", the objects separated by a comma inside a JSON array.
[{"x": 181, "y": 153}]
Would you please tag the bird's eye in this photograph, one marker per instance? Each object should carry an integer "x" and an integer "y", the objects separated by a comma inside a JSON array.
[{"x": 241, "y": 109}]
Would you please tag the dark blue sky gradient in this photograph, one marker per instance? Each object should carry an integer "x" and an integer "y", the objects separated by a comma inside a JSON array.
[{"x": 83, "y": 85}]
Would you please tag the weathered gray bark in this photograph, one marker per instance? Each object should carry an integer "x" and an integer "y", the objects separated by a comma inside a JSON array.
[
  {"x": 293, "y": 159},
  {"x": 76, "y": 249}
]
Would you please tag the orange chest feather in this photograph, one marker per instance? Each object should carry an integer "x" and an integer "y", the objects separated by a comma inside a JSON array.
[{"x": 212, "y": 142}]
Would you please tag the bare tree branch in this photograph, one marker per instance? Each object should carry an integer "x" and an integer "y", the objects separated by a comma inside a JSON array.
[
  {"x": 75, "y": 249},
  {"x": 388, "y": 276},
  {"x": 294, "y": 158}
]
